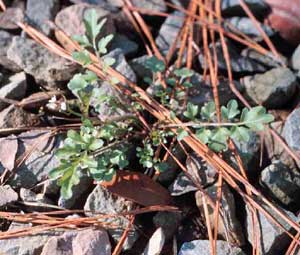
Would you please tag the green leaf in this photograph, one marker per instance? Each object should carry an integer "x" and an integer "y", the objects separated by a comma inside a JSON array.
[
  {"x": 155, "y": 65},
  {"x": 181, "y": 134},
  {"x": 162, "y": 166},
  {"x": 208, "y": 111},
  {"x": 240, "y": 133},
  {"x": 231, "y": 111},
  {"x": 89, "y": 162},
  {"x": 148, "y": 80},
  {"x": 118, "y": 157},
  {"x": 75, "y": 136},
  {"x": 96, "y": 144},
  {"x": 82, "y": 40},
  {"x": 58, "y": 171},
  {"x": 108, "y": 61},
  {"x": 102, "y": 44},
  {"x": 219, "y": 138},
  {"x": 67, "y": 181},
  {"x": 256, "y": 117},
  {"x": 83, "y": 57},
  {"x": 204, "y": 135},
  {"x": 90, "y": 77},
  {"x": 77, "y": 83},
  {"x": 192, "y": 111},
  {"x": 184, "y": 72},
  {"x": 65, "y": 152},
  {"x": 91, "y": 24}
]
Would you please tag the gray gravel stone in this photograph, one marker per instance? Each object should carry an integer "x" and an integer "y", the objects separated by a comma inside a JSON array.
[
  {"x": 27, "y": 245},
  {"x": 102, "y": 201},
  {"x": 70, "y": 19},
  {"x": 230, "y": 227},
  {"x": 85, "y": 242},
  {"x": 282, "y": 183},
  {"x": 169, "y": 31},
  {"x": 201, "y": 92},
  {"x": 15, "y": 89},
  {"x": 37, "y": 166},
  {"x": 291, "y": 130},
  {"x": 295, "y": 61},
  {"x": 14, "y": 116},
  {"x": 168, "y": 221},
  {"x": 10, "y": 17},
  {"x": 273, "y": 240},
  {"x": 5, "y": 42},
  {"x": 233, "y": 7},
  {"x": 48, "y": 69},
  {"x": 246, "y": 26},
  {"x": 199, "y": 170},
  {"x": 239, "y": 64},
  {"x": 40, "y": 12},
  {"x": 202, "y": 247},
  {"x": 273, "y": 89},
  {"x": 7, "y": 195}
]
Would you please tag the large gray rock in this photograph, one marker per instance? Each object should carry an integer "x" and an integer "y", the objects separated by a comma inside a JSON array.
[
  {"x": 14, "y": 89},
  {"x": 234, "y": 8},
  {"x": 239, "y": 64},
  {"x": 47, "y": 68},
  {"x": 40, "y": 12},
  {"x": 70, "y": 19},
  {"x": 14, "y": 116},
  {"x": 5, "y": 42},
  {"x": 273, "y": 89},
  {"x": 26, "y": 245},
  {"x": 291, "y": 130},
  {"x": 273, "y": 240},
  {"x": 7, "y": 195},
  {"x": 230, "y": 226},
  {"x": 282, "y": 183},
  {"x": 103, "y": 201},
  {"x": 85, "y": 242},
  {"x": 169, "y": 31},
  {"x": 202, "y": 247}
]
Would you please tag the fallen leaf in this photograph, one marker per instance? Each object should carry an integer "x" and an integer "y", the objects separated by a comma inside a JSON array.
[
  {"x": 8, "y": 151},
  {"x": 139, "y": 188},
  {"x": 284, "y": 17}
]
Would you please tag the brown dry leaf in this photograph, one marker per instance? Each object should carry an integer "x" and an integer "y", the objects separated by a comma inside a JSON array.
[
  {"x": 139, "y": 188},
  {"x": 8, "y": 151},
  {"x": 284, "y": 17}
]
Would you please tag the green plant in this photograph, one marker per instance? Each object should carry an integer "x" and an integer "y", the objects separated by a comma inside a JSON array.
[{"x": 98, "y": 149}]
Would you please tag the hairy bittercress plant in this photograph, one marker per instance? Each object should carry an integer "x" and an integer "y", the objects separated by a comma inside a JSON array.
[{"x": 99, "y": 150}]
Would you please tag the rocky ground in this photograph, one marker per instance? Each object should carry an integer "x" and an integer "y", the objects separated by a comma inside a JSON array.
[{"x": 30, "y": 76}]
